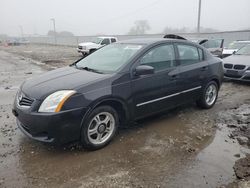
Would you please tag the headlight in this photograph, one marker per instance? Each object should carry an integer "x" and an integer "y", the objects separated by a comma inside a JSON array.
[{"x": 55, "y": 101}]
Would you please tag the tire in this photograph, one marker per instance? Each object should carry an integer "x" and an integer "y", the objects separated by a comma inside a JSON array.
[
  {"x": 99, "y": 128},
  {"x": 209, "y": 95}
]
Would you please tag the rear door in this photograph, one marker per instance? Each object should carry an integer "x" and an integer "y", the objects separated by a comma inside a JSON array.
[
  {"x": 155, "y": 92},
  {"x": 193, "y": 71}
]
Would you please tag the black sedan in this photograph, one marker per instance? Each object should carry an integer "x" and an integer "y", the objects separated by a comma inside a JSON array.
[{"x": 115, "y": 85}]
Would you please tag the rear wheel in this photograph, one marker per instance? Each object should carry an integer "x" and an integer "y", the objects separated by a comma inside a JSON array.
[
  {"x": 100, "y": 128},
  {"x": 209, "y": 95}
]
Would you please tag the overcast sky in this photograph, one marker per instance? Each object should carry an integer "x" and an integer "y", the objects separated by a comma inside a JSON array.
[{"x": 91, "y": 17}]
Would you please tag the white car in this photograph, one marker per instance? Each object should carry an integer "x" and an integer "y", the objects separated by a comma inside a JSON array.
[
  {"x": 234, "y": 47},
  {"x": 89, "y": 47}
]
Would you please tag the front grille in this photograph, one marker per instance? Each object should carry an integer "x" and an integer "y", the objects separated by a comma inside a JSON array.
[
  {"x": 23, "y": 100},
  {"x": 239, "y": 67},
  {"x": 228, "y": 66}
]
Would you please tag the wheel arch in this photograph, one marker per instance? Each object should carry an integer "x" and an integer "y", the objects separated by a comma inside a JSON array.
[
  {"x": 118, "y": 104},
  {"x": 217, "y": 81}
]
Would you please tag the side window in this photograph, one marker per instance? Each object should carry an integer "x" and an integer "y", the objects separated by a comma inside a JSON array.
[
  {"x": 105, "y": 42},
  {"x": 188, "y": 54},
  {"x": 161, "y": 58},
  {"x": 113, "y": 40}
]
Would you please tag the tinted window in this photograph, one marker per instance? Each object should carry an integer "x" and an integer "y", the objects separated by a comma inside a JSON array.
[
  {"x": 188, "y": 54},
  {"x": 105, "y": 41},
  {"x": 113, "y": 40},
  {"x": 160, "y": 58}
]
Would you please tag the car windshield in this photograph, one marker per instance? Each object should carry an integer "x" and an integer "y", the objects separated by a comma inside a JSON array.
[
  {"x": 97, "y": 40},
  {"x": 244, "y": 50},
  {"x": 109, "y": 58},
  {"x": 236, "y": 45}
]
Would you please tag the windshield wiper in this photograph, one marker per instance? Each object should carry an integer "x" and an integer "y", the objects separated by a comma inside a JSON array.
[{"x": 89, "y": 69}]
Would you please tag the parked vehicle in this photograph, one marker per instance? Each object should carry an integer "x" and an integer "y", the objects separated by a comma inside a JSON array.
[
  {"x": 214, "y": 46},
  {"x": 237, "y": 66},
  {"x": 87, "y": 48},
  {"x": 119, "y": 83},
  {"x": 24, "y": 41},
  {"x": 13, "y": 42},
  {"x": 234, "y": 47}
]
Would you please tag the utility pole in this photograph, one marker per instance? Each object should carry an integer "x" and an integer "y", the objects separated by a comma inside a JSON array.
[
  {"x": 199, "y": 18},
  {"x": 21, "y": 29},
  {"x": 54, "y": 24}
]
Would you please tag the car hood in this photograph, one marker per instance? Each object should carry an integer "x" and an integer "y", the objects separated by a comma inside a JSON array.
[
  {"x": 238, "y": 59},
  {"x": 87, "y": 44},
  {"x": 66, "y": 78}
]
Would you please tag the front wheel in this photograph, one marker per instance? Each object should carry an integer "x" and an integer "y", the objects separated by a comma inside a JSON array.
[
  {"x": 209, "y": 95},
  {"x": 100, "y": 128}
]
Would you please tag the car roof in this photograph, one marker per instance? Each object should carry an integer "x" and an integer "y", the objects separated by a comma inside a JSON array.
[
  {"x": 106, "y": 37},
  {"x": 148, "y": 41}
]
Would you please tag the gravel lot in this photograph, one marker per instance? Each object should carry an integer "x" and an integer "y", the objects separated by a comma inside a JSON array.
[{"x": 185, "y": 147}]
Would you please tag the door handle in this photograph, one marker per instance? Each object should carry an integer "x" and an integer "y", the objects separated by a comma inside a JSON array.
[
  {"x": 204, "y": 68},
  {"x": 174, "y": 77}
]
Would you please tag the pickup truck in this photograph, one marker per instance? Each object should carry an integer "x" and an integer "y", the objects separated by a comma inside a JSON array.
[{"x": 87, "y": 48}]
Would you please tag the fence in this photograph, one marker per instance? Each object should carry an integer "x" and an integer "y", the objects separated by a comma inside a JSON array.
[{"x": 229, "y": 36}]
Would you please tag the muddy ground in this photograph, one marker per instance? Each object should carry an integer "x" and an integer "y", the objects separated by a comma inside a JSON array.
[
  {"x": 186, "y": 147},
  {"x": 49, "y": 55}
]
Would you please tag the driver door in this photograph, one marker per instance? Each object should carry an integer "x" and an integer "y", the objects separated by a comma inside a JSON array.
[{"x": 156, "y": 92}]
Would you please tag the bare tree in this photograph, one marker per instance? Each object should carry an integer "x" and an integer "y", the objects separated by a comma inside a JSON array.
[{"x": 140, "y": 27}]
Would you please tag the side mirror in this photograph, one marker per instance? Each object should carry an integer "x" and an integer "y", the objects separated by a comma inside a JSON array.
[{"x": 144, "y": 70}]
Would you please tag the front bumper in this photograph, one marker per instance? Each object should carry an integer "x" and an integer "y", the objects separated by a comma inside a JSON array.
[
  {"x": 241, "y": 75},
  {"x": 83, "y": 51},
  {"x": 59, "y": 128}
]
